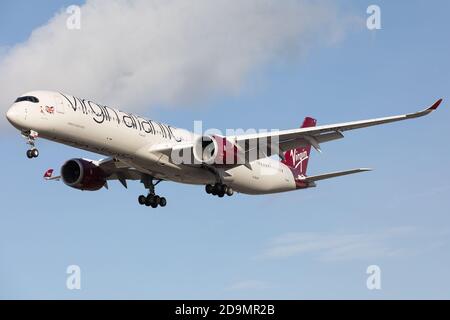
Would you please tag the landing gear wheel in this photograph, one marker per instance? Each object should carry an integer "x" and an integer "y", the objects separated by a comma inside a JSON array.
[
  {"x": 32, "y": 153},
  {"x": 209, "y": 189},
  {"x": 142, "y": 200},
  {"x": 162, "y": 202},
  {"x": 150, "y": 201},
  {"x": 219, "y": 190}
]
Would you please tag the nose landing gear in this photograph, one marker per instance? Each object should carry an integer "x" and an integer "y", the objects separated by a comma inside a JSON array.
[
  {"x": 30, "y": 136},
  {"x": 219, "y": 189}
]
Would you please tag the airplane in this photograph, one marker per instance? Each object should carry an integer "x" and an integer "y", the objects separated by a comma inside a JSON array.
[{"x": 140, "y": 149}]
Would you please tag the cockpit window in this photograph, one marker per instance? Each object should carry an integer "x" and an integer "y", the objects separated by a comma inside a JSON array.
[{"x": 27, "y": 98}]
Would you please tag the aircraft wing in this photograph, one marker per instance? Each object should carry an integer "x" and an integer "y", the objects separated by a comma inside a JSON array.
[
  {"x": 118, "y": 170},
  {"x": 278, "y": 142},
  {"x": 113, "y": 168},
  {"x": 290, "y": 139}
]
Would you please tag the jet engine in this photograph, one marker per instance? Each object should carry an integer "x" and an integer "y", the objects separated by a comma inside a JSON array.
[
  {"x": 215, "y": 150},
  {"x": 83, "y": 175}
]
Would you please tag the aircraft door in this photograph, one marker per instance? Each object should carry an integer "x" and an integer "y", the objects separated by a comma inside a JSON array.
[{"x": 59, "y": 105}]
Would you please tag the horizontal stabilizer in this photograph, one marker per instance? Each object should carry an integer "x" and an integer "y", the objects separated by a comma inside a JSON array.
[{"x": 333, "y": 175}]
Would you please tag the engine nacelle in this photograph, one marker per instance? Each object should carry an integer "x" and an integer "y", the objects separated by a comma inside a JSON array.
[
  {"x": 215, "y": 150},
  {"x": 83, "y": 175}
]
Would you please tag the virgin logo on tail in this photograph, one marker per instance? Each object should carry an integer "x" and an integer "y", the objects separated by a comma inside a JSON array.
[{"x": 298, "y": 158}]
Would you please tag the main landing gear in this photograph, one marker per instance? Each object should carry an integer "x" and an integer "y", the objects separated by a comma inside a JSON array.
[
  {"x": 30, "y": 136},
  {"x": 219, "y": 189},
  {"x": 152, "y": 199}
]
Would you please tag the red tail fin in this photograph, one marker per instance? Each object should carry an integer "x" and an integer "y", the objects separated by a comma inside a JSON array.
[{"x": 298, "y": 158}]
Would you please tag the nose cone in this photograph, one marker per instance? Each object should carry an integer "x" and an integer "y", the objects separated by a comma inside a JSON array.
[{"x": 14, "y": 115}]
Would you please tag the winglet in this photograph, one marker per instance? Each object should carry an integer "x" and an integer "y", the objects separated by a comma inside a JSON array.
[
  {"x": 48, "y": 174},
  {"x": 435, "y": 105},
  {"x": 425, "y": 111}
]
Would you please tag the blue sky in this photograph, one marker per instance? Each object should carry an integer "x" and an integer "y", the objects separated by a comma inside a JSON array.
[{"x": 203, "y": 247}]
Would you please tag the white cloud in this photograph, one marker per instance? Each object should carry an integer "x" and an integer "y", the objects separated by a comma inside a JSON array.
[
  {"x": 3, "y": 51},
  {"x": 139, "y": 53},
  {"x": 350, "y": 246}
]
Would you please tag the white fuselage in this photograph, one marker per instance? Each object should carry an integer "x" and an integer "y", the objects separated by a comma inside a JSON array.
[{"x": 96, "y": 128}]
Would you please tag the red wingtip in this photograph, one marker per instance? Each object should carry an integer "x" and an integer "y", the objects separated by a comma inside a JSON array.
[
  {"x": 435, "y": 105},
  {"x": 48, "y": 173}
]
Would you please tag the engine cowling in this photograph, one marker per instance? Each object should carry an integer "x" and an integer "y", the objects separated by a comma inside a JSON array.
[
  {"x": 83, "y": 175},
  {"x": 215, "y": 150}
]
